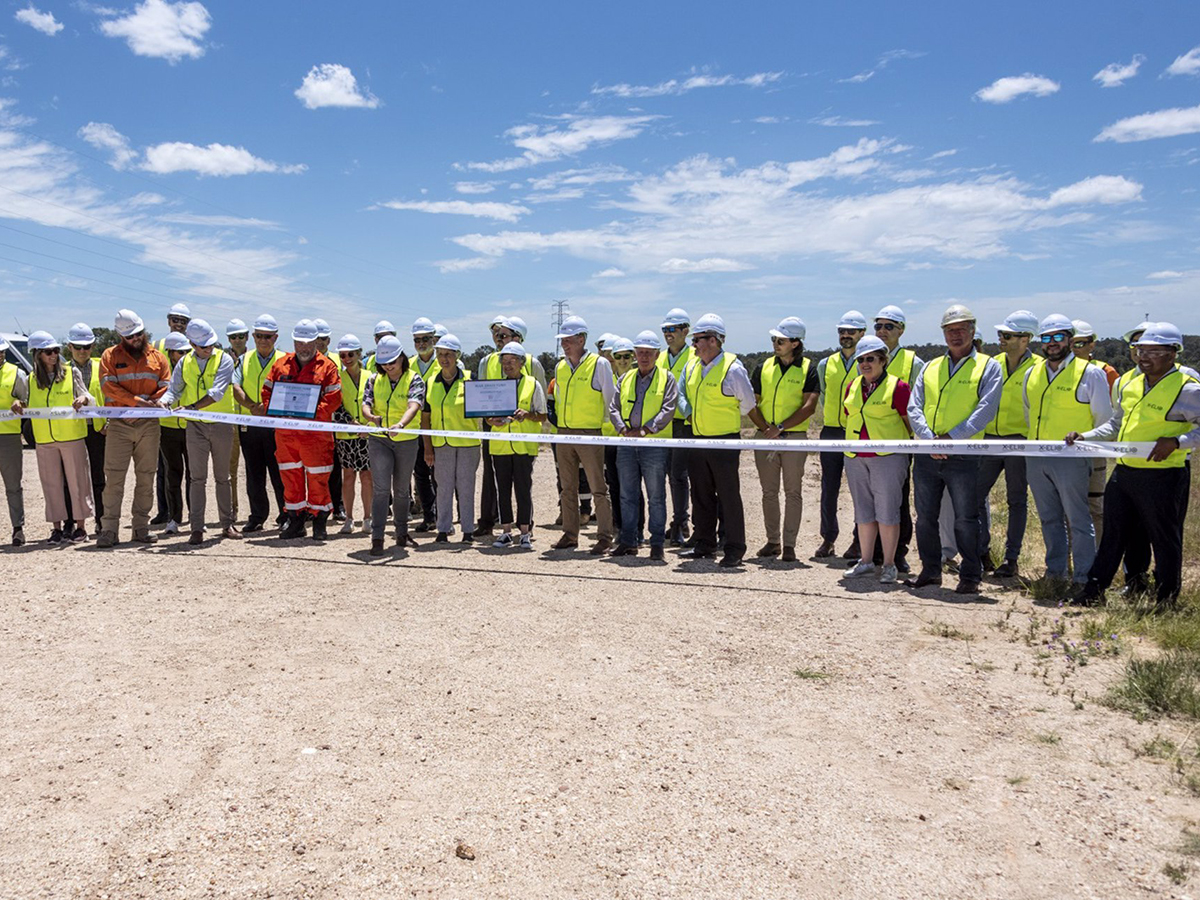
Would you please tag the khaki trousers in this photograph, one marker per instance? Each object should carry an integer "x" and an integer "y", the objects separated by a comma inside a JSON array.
[
  {"x": 570, "y": 458},
  {"x": 788, "y": 465},
  {"x": 69, "y": 457},
  {"x": 136, "y": 441},
  {"x": 205, "y": 440}
]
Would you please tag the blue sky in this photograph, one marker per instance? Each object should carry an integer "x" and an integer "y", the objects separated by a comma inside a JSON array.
[{"x": 460, "y": 160}]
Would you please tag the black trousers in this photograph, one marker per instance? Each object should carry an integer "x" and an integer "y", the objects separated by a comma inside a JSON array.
[
  {"x": 487, "y": 492},
  {"x": 426, "y": 485},
  {"x": 677, "y": 474},
  {"x": 717, "y": 492},
  {"x": 514, "y": 474},
  {"x": 94, "y": 442},
  {"x": 172, "y": 451},
  {"x": 1137, "y": 545},
  {"x": 832, "y": 465},
  {"x": 258, "y": 455},
  {"x": 1141, "y": 504},
  {"x": 335, "y": 487}
]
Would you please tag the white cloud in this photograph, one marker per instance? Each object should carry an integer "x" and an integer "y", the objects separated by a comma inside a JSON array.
[
  {"x": 219, "y": 221},
  {"x": 103, "y": 136},
  {"x": 602, "y": 174},
  {"x": 1105, "y": 189},
  {"x": 942, "y": 154},
  {"x": 1148, "y": 126},
  {"x": 1116, "y": 74},
  {"x": 42, "y": 21},
  {"x": 474, "y": 187},
  {"x": 501, "y": 212},
  {"x": 679, "y": 266},
  {"x": 1188, "y": 64},
  {"x": 1167, "y": 274},
  {"x": 769, "y": 120},
  {"x": 1003, "y": 90},
  {"x": 544, "y": 143},
  {"x": 448, "y": 266},
  {"x": 675, "y": 87},
  {"x": 610, "y": 272},
  {"x": 881, "y": 64},
  {"x": 839, "y": 122},
  {"x": 330, "y": 84},
  {"x": 215, "y": 159},
  {"x": 161, "y": 29}
]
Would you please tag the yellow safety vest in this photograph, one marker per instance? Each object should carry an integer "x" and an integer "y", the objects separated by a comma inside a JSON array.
[
  {"x": 352, "y": 400},
  {"x": 652, "y": 400},
  {"x": 1122, "y": 380},
  {"x": 175, "y": 422},
  {"x": 253, "y": 375},
  {"x": 579, "y": 404},
  {"x": 94, "y": 390},
  {"x": 1144, "y": 417},
  {"x": 390, "y": 404},
  {"x": 369, "y": 364},
  {"x": 1010, "y": 419},
  {"x": 197, "y": 384},
  {"x": 950, "y": 399},
  {"x": 335, "y": 359},
  {"x": 677, "y": 369},
  {"x": 876, "y": 414},
  {"x": 901, "y": 365},
  {"x": 713, "y": 413},
  {"x": 525, "y": 392},
  {"x": 447, "y": 411},
  {"x": 493, "y": 372},
  {"x": 60, "y": 393},
  {"x": 836, "y": 373},
  {"x": 8, "y": 383},
  {"x": 783, "y": 392},
  {"x": 1054, "y": 408}
]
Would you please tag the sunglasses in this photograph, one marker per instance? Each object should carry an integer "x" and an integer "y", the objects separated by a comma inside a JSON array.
[
  {"x": 1056, "y": 338},
  {"x": 784, "y": 340},
  {"x": 622, "y": 356},
  {"x": 260, "y": 336},
  {"x": 80, "y": 346},
  {"x": 671, "y": 329},
  {"x": 697, "y": 338},
  {"x": 885, "y": 326},
  {"x": 52, "y": 350},
  {"x": 869, "y": 358},
  {"x": 240, "y": 336},
  {"x": 423, "y": 339},
  {"x": 1008, "y": 335},
  {"x": 1083, "y": 342},
  {"x": 1158, "y": 351},
  {"x": 347, "y": 354},
  {"x": 849, "y": 332},
  {"x": 177, "y": 320}
]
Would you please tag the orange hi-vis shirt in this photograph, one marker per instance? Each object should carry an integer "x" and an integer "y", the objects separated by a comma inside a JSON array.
[{"x": 125, "y": 378}]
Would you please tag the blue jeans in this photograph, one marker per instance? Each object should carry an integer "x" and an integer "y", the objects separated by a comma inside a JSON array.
[
  {"x": 958, "y": 476},
  {"x": 1060, "y": 491},
  {"x": 649, "y": 465}
]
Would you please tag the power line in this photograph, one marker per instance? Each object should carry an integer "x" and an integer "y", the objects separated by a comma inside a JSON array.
[{"x": 559, "y": 310}]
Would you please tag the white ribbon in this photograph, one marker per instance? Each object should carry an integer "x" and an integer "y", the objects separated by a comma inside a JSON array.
[{"x": 1080, "y": 449}]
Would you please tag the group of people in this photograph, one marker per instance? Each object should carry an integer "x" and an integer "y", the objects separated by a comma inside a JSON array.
[{"x": 676, "y": 381}]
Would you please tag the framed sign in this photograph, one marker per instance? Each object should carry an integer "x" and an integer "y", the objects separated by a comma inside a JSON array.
[
  {"x": 295, "y": 401},
  {"x": 489, "y": 398}
]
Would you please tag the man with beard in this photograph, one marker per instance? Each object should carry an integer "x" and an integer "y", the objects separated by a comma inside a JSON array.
[
  {"x": 834, "y": 372},
  {"x": 132, "y": 374}
]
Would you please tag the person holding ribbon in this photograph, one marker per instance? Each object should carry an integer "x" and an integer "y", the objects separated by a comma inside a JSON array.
[
  {"x": 172, "y": 444},
  {"x": 350, "y": 449},
  {"x": 513, "y": 460},
  {"x": 14, "y": 385},
  {"x": 202, "y": 381},
  {"x": 80, "y": 340},
  {"x": 258, "y": 442},
  {"x": 60, "y": 442},
  {"x": 393, "y": 399},
  {"x": 454, "y": 460}
]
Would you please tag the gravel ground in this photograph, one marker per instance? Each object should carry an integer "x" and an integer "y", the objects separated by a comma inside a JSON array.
[{"x": 268, "y": 719}]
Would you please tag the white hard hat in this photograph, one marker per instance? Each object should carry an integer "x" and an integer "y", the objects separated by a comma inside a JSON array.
[
  {"x": 440, "y": 330},
  {"x": 1157, "y": 334},
  {"x": 605, "y": 339},
  {"x": 1020, "y": 322},
  {"x": 571, "y": 326},
  {"x": 870, "y": 344},
  {"x": 512, "y": 348},
  {"x": 852, "y": 318},
  {"x": 957, "y": 313},
  {"x": 791, "y": 327},
  {"x": 305, "y": 330},
  {"x": 517, "y": 324},
  {"x": 129, "y": 323},
  {"x": 499, "y": 320},
  {"x": 422, "y": 326},
  {"x": 176, "y": 341},
  {"x": 3, "y": 344},
  {"x": 892, "y": 314},
  {"x": 620, "y": 345},
  {"x": 388, "y": 349},
  {"x": 236, "y": 326},
  {"x": 448, "y": 342},
  {"x": 348, "y": 343},
  {"x": 383, "y": 326},
  {"x": 266, "y": 322},
  {"x": 710, "y": 322},
  {"x": 647, "y": 340},
  {"x": 180, "y": 309},
  {"x": 676, "y": 316},
  {"x": 1127, "y": 337},
  {"x": 43, "y": 340},
  {"x": 1083, "y": 329},
  {"x": 1056, "y": 322},
  {"x": 323, "y": 329},
  {"x": 81, "y": 334},
  {"x": 200, "y": 333}
]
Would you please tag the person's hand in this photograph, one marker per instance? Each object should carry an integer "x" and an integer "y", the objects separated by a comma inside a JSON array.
[
  {"x": 17, "y": 407},
  {"x": 78, "y": 403},
  {"x": 429, "y": 457},
  {"x": 257, "y": 409},
  {"x": 938, "y": 456},
  {"x": 499, "y": 422},
  {"x": 1072, "y": 437},
  {"x": 374, "y": 420},
  {"x": 771, "y": 432},
  {"x": 1163, "y": 448},
  {"x": 147, "y": 404},
  {"x": 633, "y": 432}
]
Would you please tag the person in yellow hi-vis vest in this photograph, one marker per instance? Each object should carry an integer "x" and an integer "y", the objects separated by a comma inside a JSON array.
[
  {"x": 1063, "y": 393},
  {"x": 60, "y": 446},
  {"x": 237, "y": 333},
  {"x": 954, "y": 399},
  {"x": 454, "y": 460},
  {"x": 513, "y": 460},
  {"x": 177, "y": 318},
  {"x": 1147, "y": 496},
  {"x": 833, "y": 374},
  {"x": 80, "y": 340},
  {"x": 258, "y": 442},
  {"x": 675, "y": 357},
  {"x": 14, "y": 386},
  {"x": 202, "y": 381}
]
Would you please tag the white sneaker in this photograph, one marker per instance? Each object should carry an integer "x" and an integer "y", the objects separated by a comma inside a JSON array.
[
  {"x": 863, "y": 568},
  {"x": 505, "y": 540},
  {"x": 366, "y": 525},
  {"x": 347, "y": 526},
  {"x": 172, "y": 527},
  {"x": 889, "y": 575},
  {"x": 526, "y": 542}
]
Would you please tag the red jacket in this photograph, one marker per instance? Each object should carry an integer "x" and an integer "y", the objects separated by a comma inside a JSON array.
[{"x": 320, "y": 370}]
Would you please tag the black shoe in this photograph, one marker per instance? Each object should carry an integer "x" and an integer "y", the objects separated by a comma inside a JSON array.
[
  {"x": 696, "y": 553},
  {"x": 853, "y": 551},
  {"x": 161, "y": 519},
  {"x": 339, "y": 515},
  {"x": 770, "y": 550},
  {"x": 293, "y": 527},
  {"x": 320, "y": 524},
  {"x": 689, "y": 543},
  {"x": 684, "y": 531},
  {"x": 1006, "y": 569},
  {"x": 966, "y": 586},
  {"x": 406, "y": 540},
  {"x": 79, "y": 535},
  {"x": 789, "y": 554},
  {"x": 1135, "y": 586},
  {"x": 950, "y": 566},
  {"x": 989, "y": 564},
  {"x": 252, "y": 527},
  {"x": 928, "y": 577},
  {"x": 282, "y": 518},
  {"x": 468, "y": 538},
  {"x": 377, "y": 548},
  {"x": 442, "y": 538},
  {"x": 1088, "y": 595},
  {"x": 18, "y": 539},
  {"x": 624, "y": 550},
  {"x": 656, "y": 554},
  {"x": 425, "y": 527},
  {"x": 56, "y": 536},
  {"x": 482, "y": 532},
  {"x": 902, "y": 566},
  {"x": 730, "y": 561}
]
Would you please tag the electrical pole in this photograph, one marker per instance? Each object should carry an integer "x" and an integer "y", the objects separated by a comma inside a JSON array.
[{"x": 559, "y": 310}]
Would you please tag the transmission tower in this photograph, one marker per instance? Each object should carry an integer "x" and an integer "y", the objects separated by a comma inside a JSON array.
[{"x": 559, "y": 310}]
